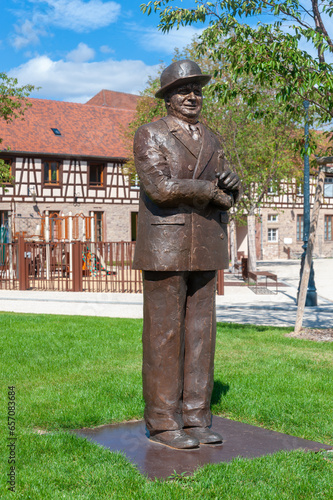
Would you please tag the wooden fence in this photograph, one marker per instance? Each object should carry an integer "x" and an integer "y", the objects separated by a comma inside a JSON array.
[{"x": 71, "y": 266}]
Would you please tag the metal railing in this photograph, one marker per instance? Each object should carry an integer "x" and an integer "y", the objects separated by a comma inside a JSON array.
[
  {"x": 8, "y": 266},
  {"x": 69, "y": 266},
  {"x": 72, "y": 266}
]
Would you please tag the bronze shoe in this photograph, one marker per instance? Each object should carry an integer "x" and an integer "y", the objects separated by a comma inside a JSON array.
[
  {"x": 204, "y": 435},
  {"x": 175, "y": 439}
]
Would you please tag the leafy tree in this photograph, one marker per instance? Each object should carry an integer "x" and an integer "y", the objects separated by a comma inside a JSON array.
[
  {"x": 260, "y": 150},
  {"x": 13, "y": 103},
  {"x": 257, "y": 139},
  {"x": 289, "y": 49},
  {"x": 148, "y": 109},
  {"x": 5, "y": 175}
]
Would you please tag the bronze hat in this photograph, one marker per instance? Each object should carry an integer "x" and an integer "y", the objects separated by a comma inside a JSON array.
[{"x": 180, "y": 73}]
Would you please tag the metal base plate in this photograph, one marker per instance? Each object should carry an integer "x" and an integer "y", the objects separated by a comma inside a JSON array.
[{"x": 158, "y": 461}]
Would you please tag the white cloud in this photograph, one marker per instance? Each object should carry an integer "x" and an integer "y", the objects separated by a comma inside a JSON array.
[
  {"x": 153, "y": 40},
  {"x": 105, "y": 49},
  {"x": 82, "y": 53},
  {"x": 75, "y": 15},
  {"x": 26, "y": 34},
  {"x": 82, "y": 16},
  {"x": 79, "y": 81}
]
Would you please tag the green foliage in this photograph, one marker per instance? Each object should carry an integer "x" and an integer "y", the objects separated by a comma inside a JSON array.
[
  {"x": 269, "y": 76},
  {"x": 258, "y": 138},
  {"x": 13, "y": 99},
  {"x": 148, "y": 110},
  {"x": 13, "y": 103},
  {"x": 5, "y": 174},
  {"x": 271, "y": 52}
]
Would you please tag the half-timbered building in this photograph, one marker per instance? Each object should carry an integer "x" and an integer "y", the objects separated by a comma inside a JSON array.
[
  {"x": 280, "y": 221},
  {"x": 66, "y": 159}
]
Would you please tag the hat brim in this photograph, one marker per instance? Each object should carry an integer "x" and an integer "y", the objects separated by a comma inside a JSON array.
[{"x": 202, "y": 79}]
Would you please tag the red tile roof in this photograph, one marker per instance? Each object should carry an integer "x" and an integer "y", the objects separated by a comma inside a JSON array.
[
  {"x": 114, "y": 100},
  {"x": 86, "y": 129}
]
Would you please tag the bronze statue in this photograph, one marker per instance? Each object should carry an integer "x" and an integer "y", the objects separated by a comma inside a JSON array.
[{"x": 186, "y": 190}]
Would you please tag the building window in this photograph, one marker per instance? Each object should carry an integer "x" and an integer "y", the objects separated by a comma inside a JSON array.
[
  {"x": 56, "y": 131},
  {"x": 96, "y": 174},
  {"x": 272, "y": 234},
  {"x": 272, "y": 218},
  {"x": 328, "y": 187},
  {"x": 300, "y": 227},
  {"x": 328, "y": 228},
  {"x": 51, "y": 172}
]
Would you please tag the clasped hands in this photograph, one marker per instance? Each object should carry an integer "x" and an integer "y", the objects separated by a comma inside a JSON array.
[{"x": 228, "y": 188}]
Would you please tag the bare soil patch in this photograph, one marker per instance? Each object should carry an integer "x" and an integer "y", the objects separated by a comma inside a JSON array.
[{"x": 316, "y": 334}]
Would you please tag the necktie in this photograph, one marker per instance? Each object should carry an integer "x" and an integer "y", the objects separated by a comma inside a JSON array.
[{"x": 194, "y": 131}]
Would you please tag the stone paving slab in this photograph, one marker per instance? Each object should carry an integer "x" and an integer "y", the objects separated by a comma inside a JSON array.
[
  {"x": 238, "y": 305},
  {"x": 274, "y": 315},
  {"x": 158, "y": 461},
  {"x": 288, "y": 271}
]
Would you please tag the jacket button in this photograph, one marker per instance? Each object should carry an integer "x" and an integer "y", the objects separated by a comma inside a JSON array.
[
  {"x": 190, "y": 167},
  {"x": 222, "y": 236}
]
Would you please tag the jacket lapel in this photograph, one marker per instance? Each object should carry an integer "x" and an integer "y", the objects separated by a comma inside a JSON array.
[
  {"x": 206, "y": 153},
  {"x": 184, "y": 137}
]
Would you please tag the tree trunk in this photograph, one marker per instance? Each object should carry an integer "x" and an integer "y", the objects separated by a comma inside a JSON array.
[
  {"x": 233, "y": 245},
  {"x": 308, "y": 257},
  {"x": 251, "y": 243}
]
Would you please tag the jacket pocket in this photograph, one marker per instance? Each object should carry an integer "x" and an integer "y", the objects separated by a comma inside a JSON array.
[{"x": 178, "y": 219}]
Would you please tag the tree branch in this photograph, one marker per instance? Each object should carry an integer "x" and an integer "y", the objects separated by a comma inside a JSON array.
[{"x": 289, "y": 14}]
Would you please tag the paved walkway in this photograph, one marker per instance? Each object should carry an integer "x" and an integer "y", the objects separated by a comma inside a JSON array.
[
  {"x": 242, "y": 305},
  {"x": 238, "y": 305}
]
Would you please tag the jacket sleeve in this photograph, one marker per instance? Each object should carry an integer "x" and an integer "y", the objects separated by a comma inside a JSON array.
[{"x": 154, "y": 174}]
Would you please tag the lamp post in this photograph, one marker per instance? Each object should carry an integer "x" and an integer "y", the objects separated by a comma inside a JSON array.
[{"x": 311, "y": 296}]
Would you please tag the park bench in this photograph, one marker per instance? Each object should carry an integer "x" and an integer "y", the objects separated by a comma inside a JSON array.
[{"x": 262, "y": 286}]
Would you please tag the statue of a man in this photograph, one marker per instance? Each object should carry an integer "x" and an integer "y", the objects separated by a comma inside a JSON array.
[{"x": 186, "y": 190}]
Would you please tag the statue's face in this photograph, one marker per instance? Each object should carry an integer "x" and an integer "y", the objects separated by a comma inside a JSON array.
[{"x": 185, "y": 102}]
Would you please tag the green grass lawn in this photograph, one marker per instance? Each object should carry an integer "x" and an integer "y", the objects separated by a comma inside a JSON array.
[{"x": 71, "y": 372}]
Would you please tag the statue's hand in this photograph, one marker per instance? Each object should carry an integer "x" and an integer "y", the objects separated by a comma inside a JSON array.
[
  {"x": 228, "y": 180},
  {"x": 222, "y": 199}
]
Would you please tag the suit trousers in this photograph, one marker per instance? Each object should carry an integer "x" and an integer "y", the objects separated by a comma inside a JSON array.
[{"x": 179, "y": 332}]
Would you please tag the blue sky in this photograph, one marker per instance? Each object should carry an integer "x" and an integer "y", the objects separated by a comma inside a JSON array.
[{"x": 74, "y": 48}]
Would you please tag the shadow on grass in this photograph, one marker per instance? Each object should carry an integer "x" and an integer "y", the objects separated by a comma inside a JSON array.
[
  {"x": 219, "y": 390},
  {"x": 239, "y": 327}
]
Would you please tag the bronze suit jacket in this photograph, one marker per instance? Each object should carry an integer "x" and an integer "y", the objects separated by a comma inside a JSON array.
[{"x": 179, "y": 227}]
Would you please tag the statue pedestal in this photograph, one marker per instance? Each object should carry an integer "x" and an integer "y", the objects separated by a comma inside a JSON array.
[{"x": 158, "y": 461}]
